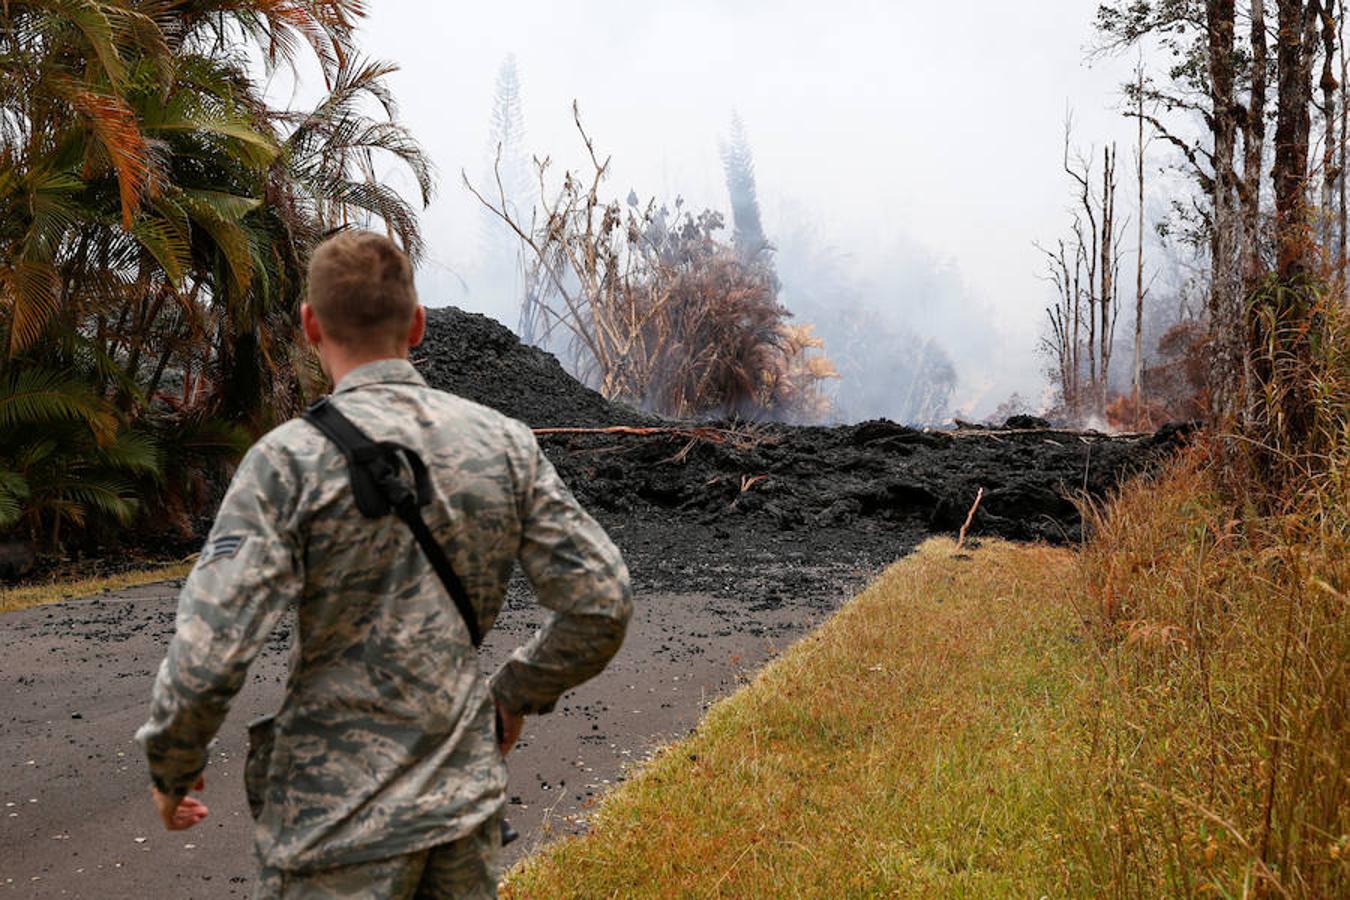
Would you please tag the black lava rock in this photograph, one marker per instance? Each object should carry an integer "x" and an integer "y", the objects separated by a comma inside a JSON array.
[
  {"x": 482, "y": 360},
  {"x": 1027, "y": 422},
  {"x": 876, "y": 477}
]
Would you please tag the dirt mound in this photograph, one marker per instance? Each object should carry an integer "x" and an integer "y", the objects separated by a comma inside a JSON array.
[
  {"x": 870, "y": 477},
  {"x": 479, "y": 358}
]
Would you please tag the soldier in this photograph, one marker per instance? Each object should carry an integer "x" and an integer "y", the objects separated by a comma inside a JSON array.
[{"x": 382, "y": 774}]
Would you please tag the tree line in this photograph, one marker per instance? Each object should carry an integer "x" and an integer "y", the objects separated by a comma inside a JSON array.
[{"x": 1245, "y": 95}]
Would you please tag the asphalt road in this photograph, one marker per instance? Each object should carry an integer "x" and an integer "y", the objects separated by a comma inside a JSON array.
[{"x": 75, "y": 812}]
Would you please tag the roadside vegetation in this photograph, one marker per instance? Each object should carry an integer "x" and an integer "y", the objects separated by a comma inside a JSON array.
[
  {"x": 1165, "y": 713},
  {"x": 1217, "y": 732},
  {"x": 913, "y": 743}
]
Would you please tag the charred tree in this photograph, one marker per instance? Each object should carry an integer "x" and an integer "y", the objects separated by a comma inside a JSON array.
[
  {"x": 1329, "y": 85},
  {"x": 1227, "y": 347},
  {"x": 502, "y": 270},
  {"x": 1085, "y": 271},
  {"x": 1137, "y": 376},
  {"x": 1253, "y": 151},
  {"x": 1280, "y": 324},
  {"x": 1267, "y": 318},
  {"x": 1061, "y": 345},
  {"x": 738, "y": 162},
  {"x": 1296, "y": 47},
  {"x": 1107, "y": 307},
  {"x": 1342, "y": 238}
]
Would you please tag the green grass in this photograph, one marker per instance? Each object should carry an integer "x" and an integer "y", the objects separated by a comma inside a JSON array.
[
  {"x": 28, "y": 596},
  {"x": 914, "y": 745}
]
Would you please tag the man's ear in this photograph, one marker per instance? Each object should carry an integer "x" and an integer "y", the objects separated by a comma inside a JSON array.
[
  {"x": 309, "y": 322},
  {"x": 418, "y": 330}
]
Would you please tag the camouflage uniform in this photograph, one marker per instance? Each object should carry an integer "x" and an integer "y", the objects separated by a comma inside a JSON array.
[
  {"x": 465, "y": 869},
  {"x": 384, "y": 745}
]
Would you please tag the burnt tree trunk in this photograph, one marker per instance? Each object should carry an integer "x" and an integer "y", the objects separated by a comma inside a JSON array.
[
  {"x": 1341, "y": 236},
  {"x": 1279, "y": 316},
  {"x": 1225, "y": 305},
  {"x": 1106, "y": 306},
  {"x": 1137, "y": 376},
  {"x": 1075, "y": 406},
  {"x": 1253, "y": 151},
  {"x": 1297, "y": 43},
  {"x": 1329, "y": 86}
]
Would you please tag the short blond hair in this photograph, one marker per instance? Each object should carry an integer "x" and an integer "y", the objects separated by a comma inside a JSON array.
[{"x": 361, "y": 288}]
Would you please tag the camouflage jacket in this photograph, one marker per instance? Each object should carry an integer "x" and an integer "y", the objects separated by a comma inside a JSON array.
[{"x": 385, "y": 741}]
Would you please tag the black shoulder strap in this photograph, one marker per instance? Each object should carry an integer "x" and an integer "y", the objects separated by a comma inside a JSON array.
[{"x": 375, "y": 469}]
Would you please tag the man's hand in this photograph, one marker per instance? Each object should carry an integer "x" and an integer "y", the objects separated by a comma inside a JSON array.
[
  {"x": 180, "y": 813},
  {"x": 509, "y": 725}
]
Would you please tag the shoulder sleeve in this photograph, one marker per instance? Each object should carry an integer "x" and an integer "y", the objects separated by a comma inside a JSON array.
[
  {"x": 249, "y": 572},
  {"x": 578, "y": 574}
]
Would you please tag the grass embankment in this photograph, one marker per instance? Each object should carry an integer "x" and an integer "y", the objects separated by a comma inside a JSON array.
[
  {"x": 916, "y": 742},
  {"x": 28, "y": 596},
  {"x": 1166, "y": 713}
]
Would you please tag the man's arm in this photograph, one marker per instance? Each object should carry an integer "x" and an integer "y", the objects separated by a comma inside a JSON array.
[
  {"x": 248, "y": 573},
  {"x": 577, "y": 572}
]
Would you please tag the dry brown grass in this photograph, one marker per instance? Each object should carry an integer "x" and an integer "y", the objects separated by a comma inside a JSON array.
[
  {"x": 1218, "y": 599},
  {"x": 28, "y": 596},
  {"x": 1221, "y": 743}
]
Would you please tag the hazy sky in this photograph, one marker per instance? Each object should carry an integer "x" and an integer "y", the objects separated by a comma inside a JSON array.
[{"x": 886, "y": 123}]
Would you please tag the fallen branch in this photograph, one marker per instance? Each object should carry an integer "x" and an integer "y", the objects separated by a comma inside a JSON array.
[
  {"x": 748, "y": 481},
  {"x": 970, "y": 517}
]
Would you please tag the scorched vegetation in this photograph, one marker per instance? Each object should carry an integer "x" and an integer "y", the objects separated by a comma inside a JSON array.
[{"x": 654, "y": 308}]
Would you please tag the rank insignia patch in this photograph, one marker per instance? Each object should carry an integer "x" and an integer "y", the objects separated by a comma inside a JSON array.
[{"x": 223, "y": 547}]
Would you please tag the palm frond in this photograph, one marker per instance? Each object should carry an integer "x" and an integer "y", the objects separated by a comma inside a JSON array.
[
  {"x": 30, "y": 291},
  {"x": 13, "y": 492},
  {"x": 93, "y": 21},
  {"x": 36, "y": 397},
  {"x": 225, "y": 206},
  {"x": 116, "y": 129},
  {"x": 167, "y": 244},
  {"x": 220, "y": 215},
  {"x": 378, "y": 200},
  {"x": 54, "y": 209},
  {"x": 107, "y": 495},
  {"x": 188, "y": 113},
  {"x": 133, "y": 453}
]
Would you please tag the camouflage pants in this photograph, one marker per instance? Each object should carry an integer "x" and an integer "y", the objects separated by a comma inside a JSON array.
[{"x": 466, "y": 868}]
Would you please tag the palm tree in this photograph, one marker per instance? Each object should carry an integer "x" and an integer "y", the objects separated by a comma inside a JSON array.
[
  {"x": 63, "y": 457},
  {"x": 156, "y": 215}
]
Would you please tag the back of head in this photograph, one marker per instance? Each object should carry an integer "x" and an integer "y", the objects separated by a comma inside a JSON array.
[{"x": 361, "y": 289}]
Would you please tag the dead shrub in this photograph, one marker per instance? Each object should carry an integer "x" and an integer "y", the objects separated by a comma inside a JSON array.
[{"x": 658, "y": 312}]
